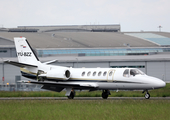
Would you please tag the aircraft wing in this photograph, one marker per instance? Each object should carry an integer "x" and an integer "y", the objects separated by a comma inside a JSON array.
[
  {"x": 66, "y": 84},
  {"x": 19, "y": 64}
]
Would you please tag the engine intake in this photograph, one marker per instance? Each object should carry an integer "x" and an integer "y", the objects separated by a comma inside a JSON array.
[{"x": 67, "y": 74}]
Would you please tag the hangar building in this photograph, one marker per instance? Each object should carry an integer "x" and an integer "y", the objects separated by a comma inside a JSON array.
[{"x": 89, "y": 46}]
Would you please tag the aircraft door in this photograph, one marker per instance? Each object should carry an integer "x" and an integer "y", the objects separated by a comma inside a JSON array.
[{"x": 110, "y": 75}]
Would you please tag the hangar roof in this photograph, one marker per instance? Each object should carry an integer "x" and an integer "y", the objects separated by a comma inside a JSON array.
[
  {"x": 84, "y": 36},
  {"x": 78, "y": 28},
  {"x": 4, "y": 41},
  {"x": 155, "y": 38},
  {"x": 81, "y": 39}
]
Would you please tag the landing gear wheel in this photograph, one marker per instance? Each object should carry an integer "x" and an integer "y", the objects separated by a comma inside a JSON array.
[
  {"x": 72, "y": 94},
  {"x": 104, "y": 95},
  {"x": 147, "y": 96}
]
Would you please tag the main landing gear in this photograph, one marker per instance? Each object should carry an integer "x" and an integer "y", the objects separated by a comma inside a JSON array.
[
  {"x": 105, "y": 94},
  {"x": 147, "y": 95},
  {"x": 72, "y": 94}
]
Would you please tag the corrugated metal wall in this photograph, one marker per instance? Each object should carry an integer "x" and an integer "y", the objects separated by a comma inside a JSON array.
[
  {"x": 7, "y": 52},
  {"x": 10, "y": 72},
  {"x": 156, "y": 69},
  {"x": 167, "y": 71}
]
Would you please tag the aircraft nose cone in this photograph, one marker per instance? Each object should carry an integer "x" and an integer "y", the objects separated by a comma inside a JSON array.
[
  {"x": 160, "y": 84},
  {"x": 156, "y": 83}
]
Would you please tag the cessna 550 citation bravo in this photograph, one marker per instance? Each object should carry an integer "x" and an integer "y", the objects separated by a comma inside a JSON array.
[{"x": 57, "y": 78}]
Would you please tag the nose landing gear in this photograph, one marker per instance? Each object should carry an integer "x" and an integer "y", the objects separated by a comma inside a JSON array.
[{"x": 147, "y": 95}]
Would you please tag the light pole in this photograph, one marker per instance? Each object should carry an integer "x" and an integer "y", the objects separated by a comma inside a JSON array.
[{"x": 160, "y": 28}]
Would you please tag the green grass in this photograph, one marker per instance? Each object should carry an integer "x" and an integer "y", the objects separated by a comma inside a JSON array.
[
  {"x": 84, "y": 109},
  {"x": 163, "y": 92}
]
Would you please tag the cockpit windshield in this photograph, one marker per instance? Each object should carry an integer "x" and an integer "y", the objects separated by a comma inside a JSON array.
[
  {"x": 132, "y": 72},
  {"x": 136, "y": 72}
]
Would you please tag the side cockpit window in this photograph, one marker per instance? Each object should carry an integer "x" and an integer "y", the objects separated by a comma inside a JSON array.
[{"x": 126, "y": 73}]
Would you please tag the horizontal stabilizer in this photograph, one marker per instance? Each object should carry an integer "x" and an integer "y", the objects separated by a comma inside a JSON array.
[
  {"x": 22, "y": 65},
  {"x": 49, "y": 62}
]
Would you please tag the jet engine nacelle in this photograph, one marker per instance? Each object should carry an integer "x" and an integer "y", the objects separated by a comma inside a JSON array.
[{"x": 60, "y": 73}]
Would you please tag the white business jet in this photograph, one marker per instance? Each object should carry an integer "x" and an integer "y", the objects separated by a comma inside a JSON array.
[{"x": 57, "y": 78}]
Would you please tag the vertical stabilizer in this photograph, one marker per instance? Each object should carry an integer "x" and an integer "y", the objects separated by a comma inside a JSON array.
[{"x": 24, "y": 51}]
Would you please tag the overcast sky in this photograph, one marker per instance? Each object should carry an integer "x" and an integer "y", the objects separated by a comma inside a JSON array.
[{"x": 132, "y": 15}]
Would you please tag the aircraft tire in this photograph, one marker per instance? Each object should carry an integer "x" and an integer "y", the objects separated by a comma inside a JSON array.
[
  {"x": 104, "y": 95},
  {"x": 147, "y": 96},
  {"x": 71, "y": 96}
]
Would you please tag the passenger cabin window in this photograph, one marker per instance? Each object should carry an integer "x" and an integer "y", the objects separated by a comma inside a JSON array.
[
  {"x": 104, "y": 74},
  {"x": 110, "y": 74},
  {"x": 126, "y": 73},
  {"x": 94, "y": 73},
  {"x": 83, "y": 73},
  {"x": 99, "y": 73},
  {"x": 88, "y": 74},
  {"x": 134, "y": 72}
]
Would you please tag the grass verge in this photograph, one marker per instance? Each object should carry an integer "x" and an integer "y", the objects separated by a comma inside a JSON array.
[
  {"x": 84, "y": 109},
  {"x": 163, "y": 92}
]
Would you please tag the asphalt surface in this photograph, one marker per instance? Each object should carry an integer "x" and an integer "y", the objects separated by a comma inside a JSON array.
[{"x": 82, "y": 98}]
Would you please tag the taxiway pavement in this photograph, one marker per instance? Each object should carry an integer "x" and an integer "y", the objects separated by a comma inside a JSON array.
[{"x": 82, "y": 98}]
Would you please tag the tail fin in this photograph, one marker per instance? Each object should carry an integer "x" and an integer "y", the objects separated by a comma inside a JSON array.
[{"x": 24, "y": 51}]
